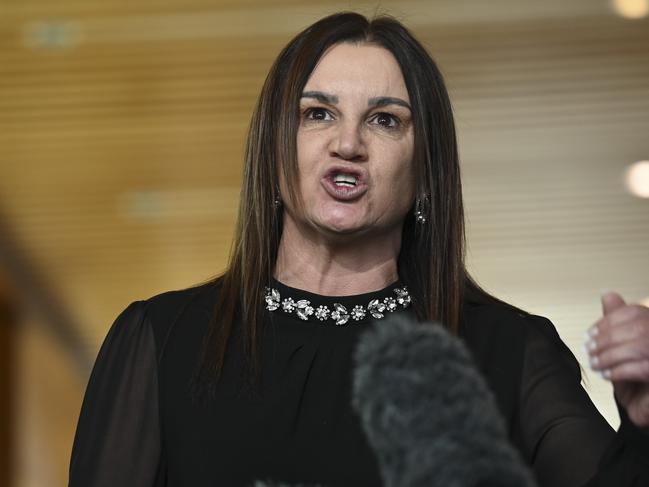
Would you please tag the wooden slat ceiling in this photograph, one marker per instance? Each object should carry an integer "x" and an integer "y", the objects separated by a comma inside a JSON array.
[{"x": 122, "y": 126}]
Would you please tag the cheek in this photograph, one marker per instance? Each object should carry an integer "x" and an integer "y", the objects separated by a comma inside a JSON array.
[
  {"x": 408, "y": 172},
  {"x": 395, "y": 197},
  {"x": 309, "y": 152},
  {"x": 400, "y": 176},
  {"x": 404, "y": 189}
]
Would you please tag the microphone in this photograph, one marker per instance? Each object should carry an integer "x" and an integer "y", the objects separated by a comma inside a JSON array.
[{"x": 428, "y": 413}]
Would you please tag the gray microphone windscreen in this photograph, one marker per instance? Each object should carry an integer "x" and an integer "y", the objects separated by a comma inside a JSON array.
[{"x": 428, "y": 413}]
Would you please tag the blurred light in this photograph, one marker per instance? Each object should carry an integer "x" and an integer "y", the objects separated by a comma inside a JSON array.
[
  {"x": 645, "y": 301},
  {"x": 637, "y": 179},
  {"x": 185, "y": 204},
  {"x": 51, "y": 34},
  {"x": 631, "y": 9}
]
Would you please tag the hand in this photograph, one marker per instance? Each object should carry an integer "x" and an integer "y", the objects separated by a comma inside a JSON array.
[{"x": 618, "y": 346}]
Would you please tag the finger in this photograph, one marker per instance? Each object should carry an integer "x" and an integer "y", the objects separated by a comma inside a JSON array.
[
  {"x": 612, "y": 335},
  {"x": 625, "y": 314},
  {"x": 629, "y": 371},
  {"x": 631, "y": 351},
  {"x": 611, "y": 301}
]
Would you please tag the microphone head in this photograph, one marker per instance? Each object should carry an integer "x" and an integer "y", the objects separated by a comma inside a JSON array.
[{"x": 427, "y": 411}]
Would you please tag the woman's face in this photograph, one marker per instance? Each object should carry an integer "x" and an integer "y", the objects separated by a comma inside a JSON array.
[{"x": 355, "y": 143}]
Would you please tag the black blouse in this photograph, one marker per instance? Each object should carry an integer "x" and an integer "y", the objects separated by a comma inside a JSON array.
[{"x": 140, "y": 427}]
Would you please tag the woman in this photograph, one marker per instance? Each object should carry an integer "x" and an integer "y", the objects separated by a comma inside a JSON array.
[{"x": 351, "y": 209}]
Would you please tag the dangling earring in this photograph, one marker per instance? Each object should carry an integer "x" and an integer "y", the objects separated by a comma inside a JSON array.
[{"x": 420, "y": 209}]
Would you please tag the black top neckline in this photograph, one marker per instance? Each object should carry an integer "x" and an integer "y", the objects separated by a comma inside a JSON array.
[{"x": 349, "y": 302}]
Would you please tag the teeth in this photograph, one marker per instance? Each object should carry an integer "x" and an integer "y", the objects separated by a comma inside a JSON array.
[{"x": 345, "y": 179}]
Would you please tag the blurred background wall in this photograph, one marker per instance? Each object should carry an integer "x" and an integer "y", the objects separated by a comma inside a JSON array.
[{"x": 121, "y": 133}]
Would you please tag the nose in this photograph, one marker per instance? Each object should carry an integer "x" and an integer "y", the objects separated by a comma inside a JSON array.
[{"x": 348, "y": 143}]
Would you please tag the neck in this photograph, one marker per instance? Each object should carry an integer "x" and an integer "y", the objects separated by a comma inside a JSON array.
[{"x": 336, "y": 266}]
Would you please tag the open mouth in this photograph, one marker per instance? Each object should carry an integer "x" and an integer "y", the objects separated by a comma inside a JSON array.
[
  {"x": 345, "y": 184},
  {"x": 345, "y": 180}
]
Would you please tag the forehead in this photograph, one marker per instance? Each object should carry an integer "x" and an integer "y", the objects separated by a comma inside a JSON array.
[{"x": 358, "y": 69}]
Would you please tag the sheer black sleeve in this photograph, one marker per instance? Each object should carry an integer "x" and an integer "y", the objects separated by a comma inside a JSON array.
[
  {"x": 569, "y": 443},
  {"x": 118, "y": 439}
]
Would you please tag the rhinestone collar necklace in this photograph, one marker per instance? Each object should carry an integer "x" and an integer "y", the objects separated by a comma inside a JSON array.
[{"x": 337, "y": 313}]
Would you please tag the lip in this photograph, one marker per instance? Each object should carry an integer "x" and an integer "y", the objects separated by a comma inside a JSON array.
[{"x": 344, "y": 193}]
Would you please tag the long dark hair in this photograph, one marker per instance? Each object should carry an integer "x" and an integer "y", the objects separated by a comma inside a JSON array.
[{"x": 431, "y": 260}]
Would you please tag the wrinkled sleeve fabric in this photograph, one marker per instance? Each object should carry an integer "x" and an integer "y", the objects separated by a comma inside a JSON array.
[
  {"x": 118, "y": 440},
  {"x": 568, "y": 442}
]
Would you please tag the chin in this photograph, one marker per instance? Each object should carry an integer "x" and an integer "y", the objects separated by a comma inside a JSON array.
[
  {"x": 342, "y": 221},
  {"x": 340, "y": 228}
]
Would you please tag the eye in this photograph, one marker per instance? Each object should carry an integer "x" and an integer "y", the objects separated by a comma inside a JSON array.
[
  {"x": 317, "y": 113},
  {"x": 386, "y": 120}
]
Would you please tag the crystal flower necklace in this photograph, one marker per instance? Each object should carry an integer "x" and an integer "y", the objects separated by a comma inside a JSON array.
[{"x": 338, "y": 314}]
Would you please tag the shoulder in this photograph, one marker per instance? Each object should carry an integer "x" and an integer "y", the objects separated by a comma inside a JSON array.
[
  {"x": 500, "y": 320},
  {"x": 171, "y": 304},
  {"x": 164, "y": 310},
  {"x": 506, "y": 341},
  {"x": 493, "y": 322},
  {"x": 160, "y": 313},
  {"x": 498, "y": 329}
]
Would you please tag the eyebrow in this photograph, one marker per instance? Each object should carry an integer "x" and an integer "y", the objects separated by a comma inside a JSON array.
[
  {"x": 382, "y": 101},
  {"x": 379, "y": 101},
  {"x": 321, "y": 97}
]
